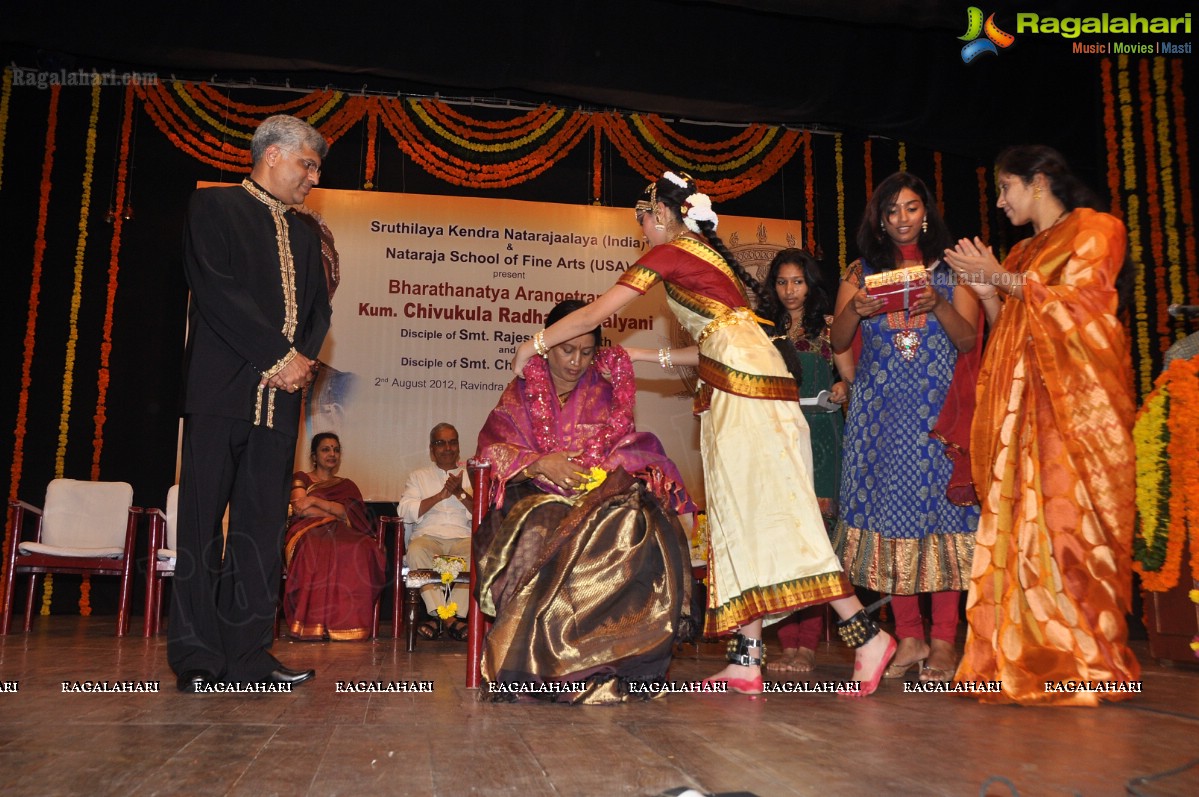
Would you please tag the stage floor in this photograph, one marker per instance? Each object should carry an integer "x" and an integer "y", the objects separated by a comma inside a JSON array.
[{"x": 319, "y": 741}]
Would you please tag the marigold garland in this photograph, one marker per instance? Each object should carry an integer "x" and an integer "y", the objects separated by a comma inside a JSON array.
[
  {"x": 1153, "y": 202},
  {"x": 839, "y": 159},
  {"x": 118, "y": 222},
  {"x": 868, "y": 158},
  {"x": 372, "y": 138},
  {"x": 809, "y": 191},
  {"x": 1186, "y": 206},
  {"x": 35, "y": 285},
  {"x": 984, "y": 215},
  {"x": 1169, "y": 206},
  {"x": 903, "y": 156},
  {"x": 939, "y": 183},
  {"x": 1132, "y": 222},
  {"x": 68, "y": 376},
  {"x": 5, "y": 94},
  {"x": 1166, "y": 434},
  {"x": 1109, "y": 133}
]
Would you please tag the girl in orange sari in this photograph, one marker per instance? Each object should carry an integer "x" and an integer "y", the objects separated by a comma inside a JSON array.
[
  {"x": 1052, "y": 448},
  {"x": 334, "y": 566}
]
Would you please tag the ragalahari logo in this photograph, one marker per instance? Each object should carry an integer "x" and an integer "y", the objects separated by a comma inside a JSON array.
[{"x": 975, "y": 27}]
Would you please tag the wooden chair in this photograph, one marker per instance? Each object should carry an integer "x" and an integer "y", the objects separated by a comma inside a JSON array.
[
  {"x": 408, "y": 583},
  {"x": 160, "y": 563},
  {"x": 87, "y": 528}
]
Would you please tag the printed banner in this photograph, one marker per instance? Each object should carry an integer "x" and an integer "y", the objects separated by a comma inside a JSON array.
[{"x": 436, "y": 293}]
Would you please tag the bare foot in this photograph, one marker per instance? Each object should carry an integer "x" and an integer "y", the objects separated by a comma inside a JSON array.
[
  {"x": 869, "y": 662},
  {"x": 746, "y": 680},
  {"x": 787, "y": 661},
  {"x": 941, "y": 662},
  {"x": 805, "y": 660}
]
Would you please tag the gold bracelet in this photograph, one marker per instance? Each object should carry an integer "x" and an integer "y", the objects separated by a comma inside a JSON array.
[
  {"x": 664, "y": 358},
  {"x": 539, "y": 344}
]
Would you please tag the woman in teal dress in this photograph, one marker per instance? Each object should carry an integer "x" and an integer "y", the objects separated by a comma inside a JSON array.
[{"x": 802, "y": 311}]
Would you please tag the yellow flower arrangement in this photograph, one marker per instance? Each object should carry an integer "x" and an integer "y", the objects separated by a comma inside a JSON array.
[{"x": 450, "y": 567}]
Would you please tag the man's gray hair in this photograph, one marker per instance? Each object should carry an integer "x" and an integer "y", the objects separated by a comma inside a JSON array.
[
  {"x": 290, "y": 133},
  {"x": 443, "y": 425}
]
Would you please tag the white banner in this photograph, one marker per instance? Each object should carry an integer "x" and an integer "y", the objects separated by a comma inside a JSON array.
[{"x": 435, "y": 294}]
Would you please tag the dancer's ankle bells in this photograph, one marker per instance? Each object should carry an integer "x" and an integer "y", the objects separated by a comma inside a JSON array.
[
  {"x": 857, "y": 631},
  {"x": 745, "y": 652}
]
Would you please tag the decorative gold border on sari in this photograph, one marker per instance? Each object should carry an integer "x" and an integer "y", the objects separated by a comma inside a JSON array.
[
  {"x": 935, "y": 563},
  {"x": 775, "y": 599},
  {"x": 320, "y": 631},
  {"x": 740, "y": 383},
  {"x": 639, "y": 278}
]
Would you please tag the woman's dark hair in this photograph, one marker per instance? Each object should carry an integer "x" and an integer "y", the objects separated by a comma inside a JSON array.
[
  {"x": 673, "y": 195},
  {"x": 816, "y": 306},
  {"x": 1026, "y": 161},
  {"x": 876, "y": 247},
  {"x": 320, "y": 436},
  {"x": 565, "y": 308}
]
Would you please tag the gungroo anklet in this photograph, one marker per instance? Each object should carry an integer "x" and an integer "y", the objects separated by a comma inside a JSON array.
[
  {"x": 746, "y": 651},
  {"x": 857, "y": 630}
]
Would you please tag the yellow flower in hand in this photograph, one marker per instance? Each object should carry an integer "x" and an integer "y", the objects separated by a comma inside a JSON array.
[
  {"x": 1194, "y": 595},
  {"x": 595, "y": 477}
]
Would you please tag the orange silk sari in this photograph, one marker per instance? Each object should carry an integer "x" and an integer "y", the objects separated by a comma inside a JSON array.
[{"x": 1053, "y": 463}]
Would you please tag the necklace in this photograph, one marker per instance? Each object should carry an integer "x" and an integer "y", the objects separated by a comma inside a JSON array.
[{"x": 906, "y": 338}]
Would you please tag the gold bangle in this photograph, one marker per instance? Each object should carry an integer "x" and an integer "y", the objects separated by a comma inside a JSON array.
[
  {"x": 664, "y": 358},
  {"x": 539, "y": 344}
]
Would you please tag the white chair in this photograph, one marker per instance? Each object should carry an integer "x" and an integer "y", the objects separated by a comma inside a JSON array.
[{"x": 86, "y": 527}]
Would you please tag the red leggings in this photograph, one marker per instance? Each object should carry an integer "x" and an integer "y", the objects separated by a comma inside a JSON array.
[
  {"x": 909, "y": 623},
  {"x": 802, "y": 629}
]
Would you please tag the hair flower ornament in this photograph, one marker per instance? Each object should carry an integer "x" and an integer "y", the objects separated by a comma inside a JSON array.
[
  {"x": 681, "y": 182},
  {"x": 697, "y": 208}
]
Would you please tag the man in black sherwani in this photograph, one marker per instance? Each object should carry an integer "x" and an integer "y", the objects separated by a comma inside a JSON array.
[{"x": 258, "y": 316}]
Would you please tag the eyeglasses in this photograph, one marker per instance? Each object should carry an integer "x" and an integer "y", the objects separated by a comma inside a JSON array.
[
  {"x": 308, "y": 163},
  {"x": 443, "y": 443}
]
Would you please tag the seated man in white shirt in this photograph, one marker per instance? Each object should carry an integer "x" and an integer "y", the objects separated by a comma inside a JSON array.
[{"x": 436, "y": 505}]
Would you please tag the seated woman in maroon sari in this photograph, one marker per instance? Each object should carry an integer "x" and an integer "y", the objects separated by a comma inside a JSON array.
[{"x": 334, "y": 567}]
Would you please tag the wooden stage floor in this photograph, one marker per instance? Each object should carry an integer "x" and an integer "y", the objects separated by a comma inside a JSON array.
[{"x": 316, "y": 741}]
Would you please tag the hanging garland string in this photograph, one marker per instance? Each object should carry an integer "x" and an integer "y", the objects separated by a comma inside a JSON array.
[
  {"x": 5, "y": 94},
  {"x": 1109, "y": 133},
  {"x": 1166, "y": 434},
  {"x": 1169, "y": 217},
  {"x": 939, "y": 183},
  {"x": 867, "y": 158},
  {"x": 68, "y": 375},
  {"x": 35, "y": 285},
  {"x": 984, "y": 216},
  {"x": 1153, "y": 204},
  {"x": 809, "y": 192},
  {"x": 903, "y": 156},
  {"x": 248, "y": 115},
  {"x": 839, "y": 159},
  {"x": 114, "y": 252},
  {"x": 1186, "y": 206},
  {"x": 372, "y": 138},
  {"x": 1141, "y": 325}
]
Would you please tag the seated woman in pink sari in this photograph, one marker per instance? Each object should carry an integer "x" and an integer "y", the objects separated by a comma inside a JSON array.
[
  {"x": 334, "y": 567},
  {"x": 587, "y": 588}
]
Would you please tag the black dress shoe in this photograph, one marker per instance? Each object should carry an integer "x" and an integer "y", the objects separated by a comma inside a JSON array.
[
  {"x": 195, "y": 680},
  {"x": 286, "y": 675}
]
